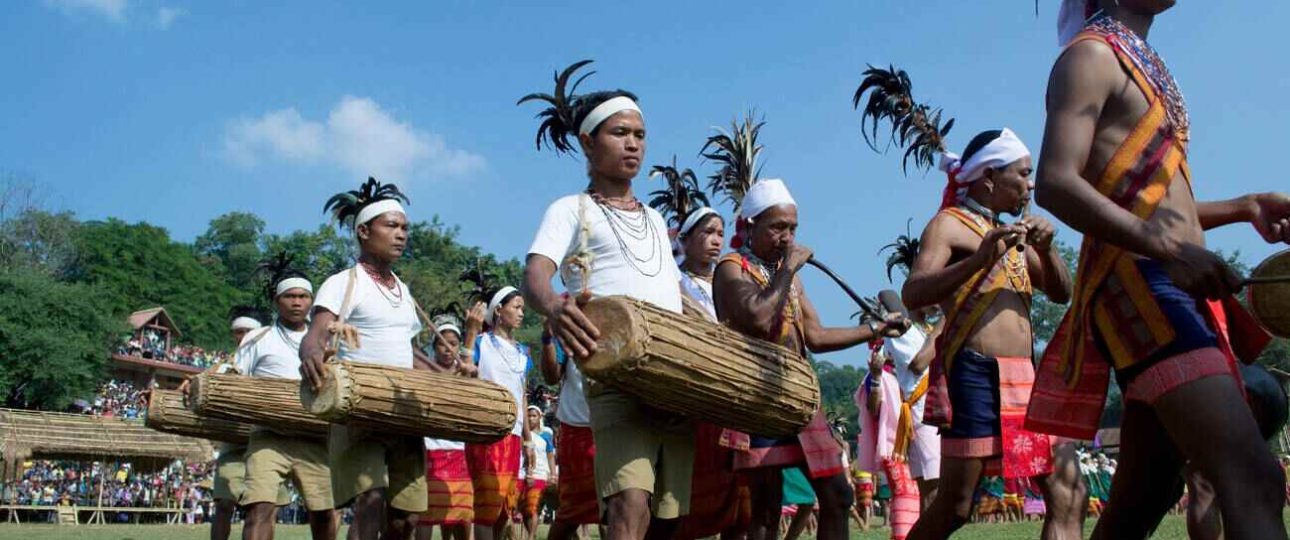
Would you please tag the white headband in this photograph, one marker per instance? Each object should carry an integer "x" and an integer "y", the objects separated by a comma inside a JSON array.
[
  {"x": 763, "y": 195},
  {"x": 245, "y": 323},
  {"x": 496, "y": 302},
  {"x": 445, "y": 326},
  {"x": 1002, "y": 151},
  {"x": 293, "y": 283},
  {"x": 369, "y": 212},
  {"x": 693, "y": 219},
  {"x": 603, "y": 111}
]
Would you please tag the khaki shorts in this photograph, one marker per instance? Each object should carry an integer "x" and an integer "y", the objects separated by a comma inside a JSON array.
[
  {"x": 230, "y": 474},
  {"x": 271, "y": 458},
  {"x": 642, "y": 448},
  {"x": 362, "y": 461}
]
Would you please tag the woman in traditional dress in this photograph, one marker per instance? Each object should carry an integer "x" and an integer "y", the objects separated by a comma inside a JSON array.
[{"x": 495, "y": 467}]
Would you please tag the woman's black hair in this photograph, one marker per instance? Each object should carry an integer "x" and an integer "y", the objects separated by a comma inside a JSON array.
[
  {"x": 699, "y": 224},
  {"x": 277, "y": 269},
  {"x": 245, "y": 311},
  {"x": 567, "y": 110},
  {"x": 979, "y": 141},
  {"x": 345, "y": 206}
]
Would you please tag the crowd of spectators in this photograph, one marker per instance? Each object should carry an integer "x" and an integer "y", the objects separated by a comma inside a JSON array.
[
  {"x": 115, "y": 398},
  {"x": 55, "y": 483},
  {"x": 151, "y": 344}
]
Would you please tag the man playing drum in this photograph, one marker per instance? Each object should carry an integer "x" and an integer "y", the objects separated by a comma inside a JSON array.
[
  {"x": 270, "y": 456},
  {"x": 982, "y": 373},
  {"x": 382, "y": 476},
  {"x": 1152, "y": 303},
  {"x": 757, "y": 292},
  {"x": 605, "y": 242}
]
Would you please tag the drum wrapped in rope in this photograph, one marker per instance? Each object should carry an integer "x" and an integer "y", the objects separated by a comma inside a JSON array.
[
  {"x": 167, "y": 413},
  {"x": 386, "y": 399},
  {"x": 691, "y": 366},
  {"x": 1270, "y": 301},
  {"x": 264, "y": 401}
]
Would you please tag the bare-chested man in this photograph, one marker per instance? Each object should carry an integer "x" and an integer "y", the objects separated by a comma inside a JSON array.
[
  {"x": 970, "y": 264},
  {"x": 757, "y": 292},
  {"x": 1154, "y": 305}
]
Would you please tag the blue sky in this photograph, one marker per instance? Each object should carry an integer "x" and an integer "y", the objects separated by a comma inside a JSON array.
[{"x": 174, "y": 112}]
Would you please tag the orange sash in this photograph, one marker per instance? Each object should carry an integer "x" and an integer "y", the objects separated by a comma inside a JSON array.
[
  {"x": 971, "y": 301},
  {"x": 1111, "y": 297}
]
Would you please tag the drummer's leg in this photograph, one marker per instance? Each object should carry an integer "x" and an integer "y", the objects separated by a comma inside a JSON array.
[
  {"x": 766, "y": 490},
  {"x": 835, "y": 498},
  {"x": 627, "y": 514}
]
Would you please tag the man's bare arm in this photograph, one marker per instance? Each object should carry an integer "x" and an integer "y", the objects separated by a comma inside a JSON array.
[
  {"x": 1078, "y": 89},
  {"x": 746, "y": 305},
  {"x": 821, "y": 340},
  {"x": 933, "y": 279},
  {"x": 573, "y": 328}
]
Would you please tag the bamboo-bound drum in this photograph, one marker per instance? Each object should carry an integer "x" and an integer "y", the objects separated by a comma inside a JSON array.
[
  {"x": 1270, "y": 302},
  {"x": 264, "y": 401},
  {"x": 691, "y": 366},
  {"x": 167, "y": 414},
  {"x": 386, "y": 399}
]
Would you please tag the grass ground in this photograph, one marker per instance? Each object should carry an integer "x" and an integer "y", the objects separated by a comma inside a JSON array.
[{"x": 1173, "y": 528}]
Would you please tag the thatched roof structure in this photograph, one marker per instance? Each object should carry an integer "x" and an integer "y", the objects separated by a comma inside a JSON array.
[
  {"x": 46, "y": 435},
  {"x": 153, "y": 316}
]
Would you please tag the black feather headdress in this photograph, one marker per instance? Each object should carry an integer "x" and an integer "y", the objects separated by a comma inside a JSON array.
[
  {"x": 481, "y": 283},
  {"x": 345, "y": 206},
  {"x": 914, "y": 126},
  {"x": 736, "y": 151},
  {"x": 680, "y": 196},
  {"x": 276, "y": 269},
  {"x": 567, "y": 110},
  {"x": 904, "y": 251}
]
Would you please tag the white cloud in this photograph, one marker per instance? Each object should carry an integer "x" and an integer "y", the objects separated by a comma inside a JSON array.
[
  {"x": 358, "y": 136},
  {"x": 114, "y": 10},
  {"x": 166, "y": 16}
]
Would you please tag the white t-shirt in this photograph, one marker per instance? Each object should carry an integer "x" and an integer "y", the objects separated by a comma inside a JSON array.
[
  {"x": 386, "y": 322},
  {"x": 902, "y": 351},
  {"x": 273, "y": 352},
  {"x": 507, "y": 364},
  {"x": 573, "y": 408},
  {"x": 443, "y": 444},
  {"x": 541, "y": 452},
  {"x": 638, "y": 265}
]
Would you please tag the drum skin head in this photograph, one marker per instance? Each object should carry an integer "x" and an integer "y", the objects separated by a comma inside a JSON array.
[{"x": 1270, "y": 302}]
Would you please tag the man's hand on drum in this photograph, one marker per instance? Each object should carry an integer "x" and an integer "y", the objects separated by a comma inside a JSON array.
[
  {"x": 1271, "y": 217},
  {"x": 574, "y": 328}
]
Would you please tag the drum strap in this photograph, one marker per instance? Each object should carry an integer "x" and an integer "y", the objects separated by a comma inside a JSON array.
[{"x": 340, "y": 331}]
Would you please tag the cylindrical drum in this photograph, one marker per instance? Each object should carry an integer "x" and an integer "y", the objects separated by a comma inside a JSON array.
[
  {"x": 691, "y": 366},
  {"x": 167, "y": 413},
  {"x": 386, "y": 399},
  {"x": 1270, "y": 302},
  {"x": 264, "y": 401}
]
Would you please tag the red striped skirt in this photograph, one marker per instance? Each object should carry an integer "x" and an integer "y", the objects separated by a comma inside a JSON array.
[
  {"x": 575, "y": 455},
  {"x": 451, "y": 493},
  {"x": 495, "y": 472}
]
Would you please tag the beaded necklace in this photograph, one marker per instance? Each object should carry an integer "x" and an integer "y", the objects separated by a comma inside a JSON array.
[{"x": 1145, "y": 58}]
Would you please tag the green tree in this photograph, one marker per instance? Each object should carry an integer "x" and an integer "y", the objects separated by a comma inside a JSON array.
[
  {"x": 838, "y": 385},
  {"x": 139, "y": 266},
  {"x": 1045, "y": 314},
  {"x": 39, "y": 241},
  {"x": 232, "y": 244},
  {"x": 55, "y": 339}
]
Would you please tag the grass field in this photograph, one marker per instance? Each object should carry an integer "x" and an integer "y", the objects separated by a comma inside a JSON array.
[{"x": 1173, "y": 528}]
